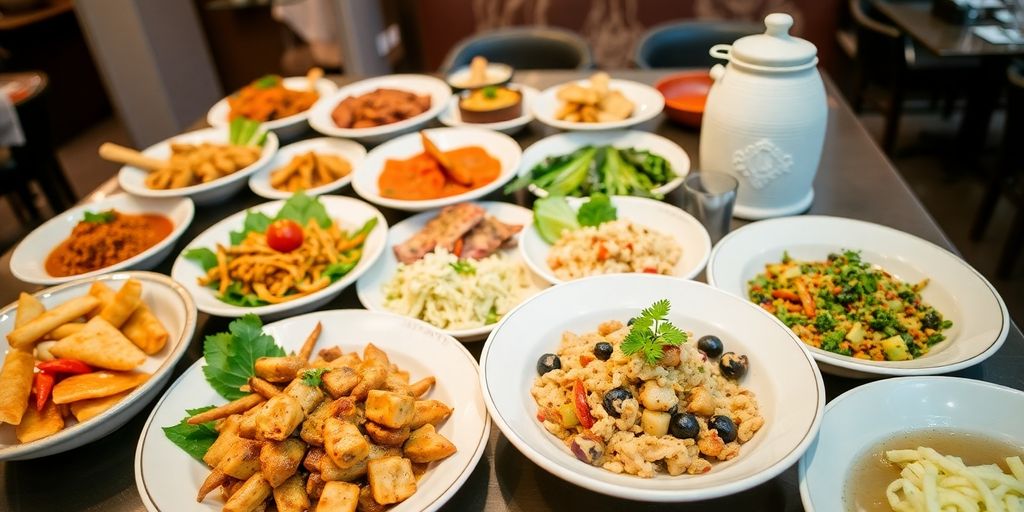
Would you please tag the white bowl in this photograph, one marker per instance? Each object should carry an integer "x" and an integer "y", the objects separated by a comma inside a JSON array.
[
  {"x": 351, "y": 151},
  {"x": 286, "y": 127},
  {"x": 564, "y": 143},
  {"x": 171, "y": 303},
  {"x": 452, "y": 117},
  {"x": 132, "y": 179},
  {"x": 502, "y": 147},
  {"x": 351, "y": 213},
  {"x": 687, "y": 231},
  {"x": 788, "y": 386},
  {"x": 439, "y": 92},
  {"x": 411, "y": 344},
  {"x": 28, "y": 262},
  {"x": 960, "y": 293},
  {"x": 647, "y": 104},
  {"x": 496, "y": 72},
  {"x": 874, "y": 412},
  {"x": 370, "y": 286}
]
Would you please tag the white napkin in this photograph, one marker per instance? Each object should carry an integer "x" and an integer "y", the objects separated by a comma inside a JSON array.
[{"x": 996, "y": 34}]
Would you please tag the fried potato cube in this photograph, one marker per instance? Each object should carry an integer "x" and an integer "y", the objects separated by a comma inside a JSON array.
[
  {"x": 340, "y": 381},
  {"x": 429, "y": 411},
  {"x": 314, "y": 485},
  {"x": 278, "y": 369},
  {"x": 426, "y": 445},
  {"x": 344, "y": 444},
  {"x": 391, "y": 480},
  {"x": 330, "y": 471},
  {"x": 291, "y": 495},
  {"x": 392, "y": 410},
  {"x": 280, "y": 460},
  {"x": 338, "y": 497},
  {"x": 307, "y": 396},
  {"x": 242, "y": 459},
  {"x": 372, "y": 375},
  {"x": 228, "y": 436},
  {"x": 367, "y": 503},
  {"x": 250, "y": 496},
  {"x": 39, "y": 424},
  {"x": 386, "y": 436},
  {"x": 279, "y": 417},
  {"x": 312, "y": 430}
]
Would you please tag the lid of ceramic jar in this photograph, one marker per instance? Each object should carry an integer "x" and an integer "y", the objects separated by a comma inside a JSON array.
[{"x": 774, "y": 48}]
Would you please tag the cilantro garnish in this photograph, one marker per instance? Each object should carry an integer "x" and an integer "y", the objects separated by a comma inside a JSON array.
[
  {"x": 99, "y": 217},
  {"x": 463, "y": 267},
  {"x": 312, "y": 376},
  {"x": 596, "y": 211},
  {"x": 651, "y": 332}
]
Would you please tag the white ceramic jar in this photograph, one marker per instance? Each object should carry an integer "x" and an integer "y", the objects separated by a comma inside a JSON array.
[{"x": 765, "y": 118}]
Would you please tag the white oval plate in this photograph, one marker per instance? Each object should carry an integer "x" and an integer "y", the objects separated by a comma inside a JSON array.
[
  {"x": 171, "y": 303},
  {"x": 438, "y": 90},
  {"x": 647, "y": 104},
  {"x": 371, "y": 284},
  {"x": 411, "y": 344},
  {"x": 285, "y": 127},
  {"x": 452, "y": 117},
  {"x": 351, "y": 213},
  {"x": 564, "y": 143},
  {"x": 687, "y": 231},
  {"x": 351, "y": 151},
  {"x": 500, "y": 146},
  {"x": 788, "y": 386},
  {"x": 897, "y": 406},
  {"x": 960, "y": 293},
  {"x": 497, "y": 72},
  {"x": 132, "y": 179},
  {"x": 28, "y": 262}
]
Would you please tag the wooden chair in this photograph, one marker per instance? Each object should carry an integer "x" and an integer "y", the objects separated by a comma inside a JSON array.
[
  {"x": 685, "y": 44},
  {"x": 524, "y": 48}
]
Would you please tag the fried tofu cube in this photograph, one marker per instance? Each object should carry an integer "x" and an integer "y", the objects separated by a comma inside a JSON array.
[
  {"x": 429, "y": 411},
  {"x": 344, "y": 444},
  {"x": 340, "y": 382},
  {"x": 391, "y": 480},
  {"x": 291, "y": 496},
  {"x": 338, "y": 497},
  {"x": 392, "y": 410},
  {"x": 426, "y": 445},
  {"x": 312, "y": 430}
]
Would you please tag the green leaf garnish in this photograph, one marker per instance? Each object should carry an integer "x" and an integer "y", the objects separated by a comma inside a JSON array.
[
  {"x": 230, "y": 356},
  {"x": 463, "y": 267},
  {"x": 596, "y": 211},
  {"x": 651, "y": 332},
  {"x": 490, "y": 92},
  {"x": 205, "y": 257},
  {"x": 266, "y": 81},
  {"x": 312, "y": 376},
  {"x": 194, "y": 439},
  {"x": 99, "y": 217},
  {"x": 301, "y": 208}
]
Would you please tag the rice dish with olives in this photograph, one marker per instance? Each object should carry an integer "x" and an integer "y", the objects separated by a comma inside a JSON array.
[
  {"x": 451, "y": 293},
  {"x": 618, "y": 246},
  {"x": 676, "y": 416}
]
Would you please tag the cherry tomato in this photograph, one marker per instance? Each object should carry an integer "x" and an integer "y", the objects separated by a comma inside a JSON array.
[{"x": 284, "y": 235}]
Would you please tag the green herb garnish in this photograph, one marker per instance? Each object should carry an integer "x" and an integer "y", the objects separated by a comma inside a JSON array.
[
  {"x": 99, "y": 217},
  {"x": 313, "y": 376},
  {"x": 490, "y": 92},
  {"x": 598, "y": 210},
  {"x": 266, "y": 81},
  {"x": 651, "y": 332},
  {"x": 203, "y": 256},
  {"x": 463, "y": 267},
  {"x": 196, "y": 440},
  {"x": 230, "y": 356}
]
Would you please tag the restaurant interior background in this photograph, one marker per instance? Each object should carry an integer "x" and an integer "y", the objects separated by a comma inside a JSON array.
[{"x": 910, "y": 100}]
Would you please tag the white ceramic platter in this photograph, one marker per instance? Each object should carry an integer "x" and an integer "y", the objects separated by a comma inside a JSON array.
[
  {"x": 500, "y": 146},
  {"x": 564, "y": 143},
  {"x": 452, "y": 117},
  {"x": 960, "y": 293},
  {"x": 28, "y": 262},
  {"x": 168, "y": 478},
  {"x": 132, "y": 179},
  {"x": 438, "y": 90},
  {"x": 371, "y": 284},
  {"x": 647, "y": 104},
  {"x": 784, "y": 378},
  {"x": 656, "y": 215},
  {"x": 171, "y": 303},
  {"x": 351, "y": 213},
  {"x": 286, "y": 127},
  {"x": 351, "y": 151}
]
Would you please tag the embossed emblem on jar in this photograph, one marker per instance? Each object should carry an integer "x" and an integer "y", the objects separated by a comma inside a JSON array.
[{"x": 761, "y": 163}]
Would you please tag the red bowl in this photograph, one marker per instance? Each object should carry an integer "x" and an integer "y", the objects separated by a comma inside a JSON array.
[{"x": 685, "y": 94}]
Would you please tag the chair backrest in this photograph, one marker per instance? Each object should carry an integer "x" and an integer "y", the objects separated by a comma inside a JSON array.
[
  {"x": 530, "y": 47},
  {"x": 685, "y": 44}
]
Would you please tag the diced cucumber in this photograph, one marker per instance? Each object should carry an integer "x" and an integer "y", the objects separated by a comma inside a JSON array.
[
  {"x": 895, "y": 349},
  {"x": 856, "y": 334}
]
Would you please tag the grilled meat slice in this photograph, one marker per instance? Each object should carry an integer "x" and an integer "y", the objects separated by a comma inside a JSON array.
[
  {"x": 487, "y": 237},
  {"x": 443, "y": 231}
]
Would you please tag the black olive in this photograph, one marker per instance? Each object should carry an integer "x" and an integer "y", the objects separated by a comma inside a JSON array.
[
  {"x": 615, "y": 395},
  {"x": 630, "y": 321},
  {"x": 684, "y": 426},
  {"x": 710, "y": 345},
  {"x": 603, "y": 350},
  {"x": 733, "y": 366},
  {"x": 548, "y": 362},
  {"x": 725, "y": 427}
]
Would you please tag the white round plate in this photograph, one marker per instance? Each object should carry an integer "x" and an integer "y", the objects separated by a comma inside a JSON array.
[
  {"x": 960, "y": 293},
  {"x": 132, "y": 179},
  {"x": 438, "y": 90},
  {"x": 500, "y": 146},
  {"x": 411, "y": 344},
  {"x": 370, "y": 286},
  {"x": 351, "y": 213},
  {"x": 452, "y": 117},
  {"x": 351, "y": 151},
  {"x": 647, "y": 104},
  {"x": 28, "y": 262},
  {"x": 564, "y": 143},
  {"x": 871, "y": 413},
  {"x": 687, "y": 231},
  {"x": 170, "y": 302},
  {"x": 788, "y": 386},
  {"x": 286, "y": 127},
  {"x": 496, "y": 72}
]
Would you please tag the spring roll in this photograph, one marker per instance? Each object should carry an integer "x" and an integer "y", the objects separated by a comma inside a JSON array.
[
  {"x": 26, "y": 335},
  {"x": 65, "y": 330},
  {"x": 39, "y": 424},
  {"x": 145, "y": 330},
  {"x": 15, "y": 385},
  {"x": 125, "y": 301},
  {"x": 29, "y": 308}
]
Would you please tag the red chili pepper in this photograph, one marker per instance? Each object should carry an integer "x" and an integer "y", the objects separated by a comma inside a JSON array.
[
  {"x": 42, "y": 385},
  {"x": 582, "y": 407},
  {"x": 72, "y": 366},
  {"x": 457, "y": 250}
]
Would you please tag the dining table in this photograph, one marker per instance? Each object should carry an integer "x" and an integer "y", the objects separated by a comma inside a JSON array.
[{"x": 855, "y": 180}]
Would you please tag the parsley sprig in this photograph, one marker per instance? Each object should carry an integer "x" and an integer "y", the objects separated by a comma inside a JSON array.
[
  {"x": 313, "y": 376},
  {"x": 99, "y": 217},
  {"x": 463, "y": 267},
  {"x": 651, "y": 332}
]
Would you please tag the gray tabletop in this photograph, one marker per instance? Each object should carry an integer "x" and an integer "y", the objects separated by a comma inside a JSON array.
[
  {"x": 938, "y": 35},
  {"x": 855, "y": 180}
]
